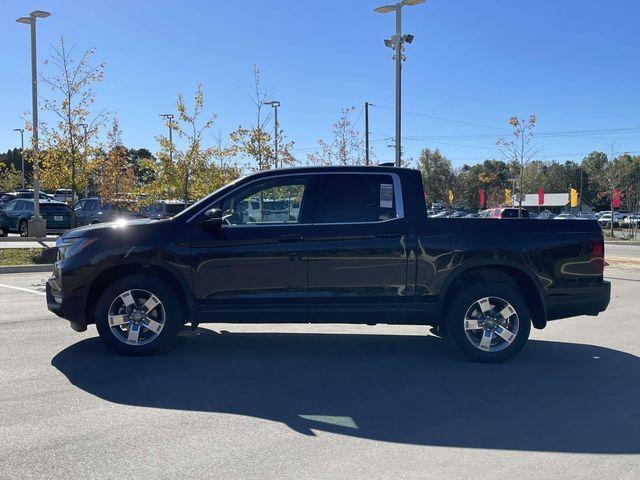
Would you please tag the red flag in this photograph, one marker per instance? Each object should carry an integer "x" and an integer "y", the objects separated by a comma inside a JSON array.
[
  {"x": 540, "y": 197},
  {"x": 482, "y": 198},
  {"x": 616, "y": 198}
]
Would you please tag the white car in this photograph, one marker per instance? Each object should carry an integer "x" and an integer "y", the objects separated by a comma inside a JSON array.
[
  {"x": 633, "y": 220},
  {"x": 565, "y": 216},
  {"x": 605, "y": 219},
  {"x": 65, "y": 195}
]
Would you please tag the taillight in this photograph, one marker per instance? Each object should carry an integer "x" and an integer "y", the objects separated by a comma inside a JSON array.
[{"x": 597, "y": 255}]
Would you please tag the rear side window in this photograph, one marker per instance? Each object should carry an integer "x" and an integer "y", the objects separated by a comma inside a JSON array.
[{"x": 352, "y": 198}]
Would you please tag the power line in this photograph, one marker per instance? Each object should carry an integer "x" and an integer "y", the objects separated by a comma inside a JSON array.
[{"x": 460, "y": 122}]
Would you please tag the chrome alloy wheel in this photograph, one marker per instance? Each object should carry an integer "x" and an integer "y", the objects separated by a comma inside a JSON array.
[
  {"x": 491, "y": 324},
  {"x": 136, "y": 317}
]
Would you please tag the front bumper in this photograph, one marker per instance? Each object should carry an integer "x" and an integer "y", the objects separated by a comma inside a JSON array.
[
  {"x": 66, "y": 299},
  {"x": 579, "y": 301}
]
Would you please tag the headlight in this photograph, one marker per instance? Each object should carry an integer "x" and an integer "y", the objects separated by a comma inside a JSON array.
[{"x": 71, "y": 246}]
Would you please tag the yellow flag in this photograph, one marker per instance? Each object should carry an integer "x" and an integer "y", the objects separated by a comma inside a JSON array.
[
  {"x": 574, "y": 197},
  {"x": 450, "y": 197},
  {"x": 507, "y": 196}
]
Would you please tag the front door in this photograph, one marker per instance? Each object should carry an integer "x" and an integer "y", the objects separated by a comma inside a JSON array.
[
  {"x": 254, "y": 267},
  {"x": 357, "y": 248}
]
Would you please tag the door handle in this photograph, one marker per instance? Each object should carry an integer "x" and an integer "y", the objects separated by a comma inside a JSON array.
[{"x": 293, "y": 237}]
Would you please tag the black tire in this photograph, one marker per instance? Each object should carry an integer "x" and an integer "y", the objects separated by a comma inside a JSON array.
[
  {"x": 463, "y": 303},
  {"x": 23, "y": 228},
  {"x": 174, "y": 316}
]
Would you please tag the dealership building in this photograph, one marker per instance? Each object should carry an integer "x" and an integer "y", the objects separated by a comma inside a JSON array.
[{"x": 555, "y": 202}]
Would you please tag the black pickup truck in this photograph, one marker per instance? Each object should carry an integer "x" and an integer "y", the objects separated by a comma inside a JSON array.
[{"x": 328, "y": 245}]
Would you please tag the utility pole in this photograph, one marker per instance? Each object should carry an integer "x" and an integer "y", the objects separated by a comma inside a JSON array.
[
  {"x": 396, "y": 42},
  {"x": 275, "y": 104},
  {"x": 366, "y": 133},
  {"x": 21, "y": 130},
  {"x": 36, "y": 227}
]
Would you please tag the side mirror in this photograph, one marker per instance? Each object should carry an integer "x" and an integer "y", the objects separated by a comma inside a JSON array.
[{"x": 212, "y": 218}]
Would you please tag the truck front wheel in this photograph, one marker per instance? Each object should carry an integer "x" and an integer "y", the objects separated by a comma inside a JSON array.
[
  {"x": 488, "y": 322},
  {"x": 138, "y": 315}
]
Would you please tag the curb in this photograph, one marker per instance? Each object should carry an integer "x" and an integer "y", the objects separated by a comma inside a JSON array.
[
  {"x": 622, "y": 262},
  {"x": 41, "y": 268}
]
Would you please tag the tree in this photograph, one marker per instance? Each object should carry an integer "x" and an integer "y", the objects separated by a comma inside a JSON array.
[
  {"x": 593, "y": 165},
  {"x": 520, "y": 149},
  {"x": 255, "y": 143},
  {"x": 437, "y": 174},
  {"x": 10, "y": 178},
  {"x": 72, "y": 83},
  {"x": 346, "y": 148},
  {"x": 490, "y": 176},
  {"x": 116, "y": 178},
  {"x": 194, "y": 172}
]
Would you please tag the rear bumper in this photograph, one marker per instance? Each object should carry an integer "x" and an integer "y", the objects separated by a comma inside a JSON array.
[{"x": 579, "y": 301}]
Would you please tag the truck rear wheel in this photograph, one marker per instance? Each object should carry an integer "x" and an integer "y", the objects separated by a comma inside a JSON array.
[
  {"x": 488, "y": 322},
  {"x": 138, "y": 315}
]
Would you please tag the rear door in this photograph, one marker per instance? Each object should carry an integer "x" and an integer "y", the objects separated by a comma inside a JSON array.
[{"x": 357, "y": 247}]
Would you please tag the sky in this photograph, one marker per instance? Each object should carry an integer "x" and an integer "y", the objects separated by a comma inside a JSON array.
[{"x": 473, "y": 64}]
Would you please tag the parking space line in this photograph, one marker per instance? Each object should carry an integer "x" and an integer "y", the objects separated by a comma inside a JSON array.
[{"x": 23, "y": 289}]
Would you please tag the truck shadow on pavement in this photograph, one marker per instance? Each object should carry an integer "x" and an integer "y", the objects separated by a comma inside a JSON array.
[{"x": 556, "y": 397}]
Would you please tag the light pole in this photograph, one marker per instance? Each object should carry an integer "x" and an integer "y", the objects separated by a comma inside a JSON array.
[
  {"x": 396, "y": 43},
  {"x": 169, "y": 118},
  {"x": 275, "y": 104},
  {"x": 86, "y": 147},
  {"x": 21, "y": 130},
  {"x": 36, "y": 227}
]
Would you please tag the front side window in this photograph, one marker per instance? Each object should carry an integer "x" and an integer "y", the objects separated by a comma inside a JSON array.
[
  {"x": 354, "y": 198},
  {"x": 275, "y": 201},
  {"x": 11, "y": 206}
]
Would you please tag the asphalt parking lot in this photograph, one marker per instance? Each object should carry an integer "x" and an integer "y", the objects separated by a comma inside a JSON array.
[{"x": 322, "y": 401}]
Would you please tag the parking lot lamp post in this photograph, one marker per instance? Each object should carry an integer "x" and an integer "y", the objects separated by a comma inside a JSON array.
[
  {"x": 86, "y": 159},
  {"x": 21, "y": 130},
  {"x": 396, "y": 43},
  {"x": 36, "y": 227},
  {"x": 169, "y": 118},
  {"x": 275, "y": 104}
]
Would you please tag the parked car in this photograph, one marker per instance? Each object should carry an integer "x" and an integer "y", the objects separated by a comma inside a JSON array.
[
  {"x": 4, "y": 224},
  {"x": 361, "y": 249},
  {"x": 65, "y": 195},
  {"x": 163, "y": 209},
  {"x": 565, "y": 216},
  {"x": 632, "y": 220},
  {"x": 545, "y": 215},
  {"x": 586, "y": 216},
  {"x": 92, "y": 210},
  {"x": 57, "y": 215},
  {"x": 607, "y": 218},
  {"x": 504, "y": 213},
  {"x": 26, "y": 194},
  {"x": 441, "y": 214}
]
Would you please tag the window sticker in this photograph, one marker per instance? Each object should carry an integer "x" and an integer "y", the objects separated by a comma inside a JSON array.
[{"x": 386, "y": 195}]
